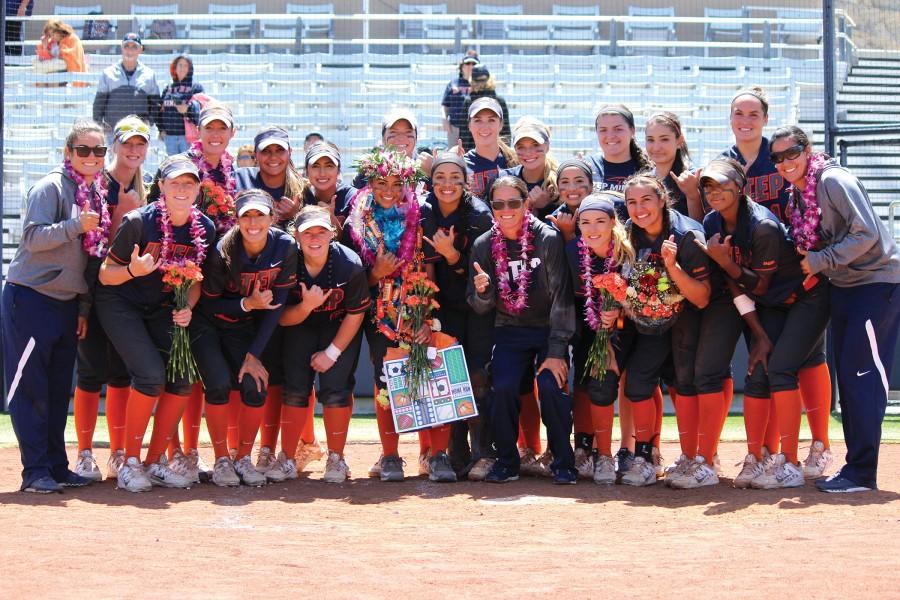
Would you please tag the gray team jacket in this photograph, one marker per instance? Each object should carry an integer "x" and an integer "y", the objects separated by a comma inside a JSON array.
[
  {"x": 855, "y": 246},
  {"x": 50, "y": 259},
  {"x": 119, "y": 95}
]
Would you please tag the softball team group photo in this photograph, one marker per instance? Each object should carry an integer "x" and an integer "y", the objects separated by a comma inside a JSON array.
[{"x": 579, "y": 289}]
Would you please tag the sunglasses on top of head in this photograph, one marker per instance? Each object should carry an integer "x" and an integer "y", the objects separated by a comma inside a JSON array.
[
  {"x": 788, "y": 154},
  {"x": 85, "y": 151},
  {"x": 513, "y": 204}
]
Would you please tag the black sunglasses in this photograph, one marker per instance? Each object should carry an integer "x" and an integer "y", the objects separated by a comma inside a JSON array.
[
  {"x": 508, "y": 204},
  {"x": 789, "y": 154},
  {"x": 85, "y": 151}
]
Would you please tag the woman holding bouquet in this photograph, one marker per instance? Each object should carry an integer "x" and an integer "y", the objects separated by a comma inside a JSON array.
[
  {"x": 595, "y": 259},
  {"x": 246, "y": 281},
  {"x": 136, "y": 310},
  {"x": 665, "y": 256},
  {"x": 519, "y": 269}
]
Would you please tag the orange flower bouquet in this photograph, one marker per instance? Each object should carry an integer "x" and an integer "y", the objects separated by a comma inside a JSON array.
[
  {"x": 181, "y": 276},
  {"x": 612, "y": 289}
]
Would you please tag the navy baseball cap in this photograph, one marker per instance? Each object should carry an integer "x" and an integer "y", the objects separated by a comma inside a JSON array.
[
  {"x": 132, "y": 38},
  {"x": 272, "y": 135},
  {"x": 480, "y": 72},
  {"x": 254, "y": 199},
  {"x": 312, "y": 216},
  {"x": 469, "y": 59},
  {"x": 178, "y": 164}
]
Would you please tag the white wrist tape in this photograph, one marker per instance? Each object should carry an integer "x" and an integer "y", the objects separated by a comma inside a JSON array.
[
  {"x": 333, "y": 352},
  {"x": 243, "y": 306},
  {"x": 744, "y": 304}
]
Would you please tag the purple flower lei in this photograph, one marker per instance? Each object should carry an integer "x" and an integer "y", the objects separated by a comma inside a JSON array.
[
  {"x": 805, "y": 219},
  {"x": 591, "y": 310},
  {"x": 513, "y": 302},
  {"x": 167, "y": 244},
  {"x": 96, "y": 241}
]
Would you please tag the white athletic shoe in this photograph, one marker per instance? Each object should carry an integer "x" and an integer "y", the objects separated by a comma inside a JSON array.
[
  {"x": 584, "y": 463},
  {"x": 248, "y": 473},
  {"x": 131, "y": 476},
  {"x": 779, "y": 473},
  {"x": 375, "y": 470},
  {"x": 816, "y": 463},
  {"x": 223, "y": 473},
  {"x": 699, "y": 474},
  {"x": 283, "y": 468},
  {"x": 527, "y": 458},
  {"x": 604, "y": 470},
  {"x": 87, "y": 467},
  {"x": 677, "y": 469},
  {"x": 538, "y": 467},
  {"x": 480, "y": 469},
  {"x": 307, "y": 453},
  {"x": 115, "y": 462},
  {"x": 162, "y": 475},
  {"x": 188, "y": 466},
  {"x": 265, "y": 459},
  {"x": 750, "y": 470},
  {"x": 336, "y": 469},
  {"x": 640, "y": 474},
  {"x": 424, "y": 467}
]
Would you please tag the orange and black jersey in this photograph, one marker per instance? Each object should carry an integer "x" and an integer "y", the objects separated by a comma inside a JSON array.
[
  {"x": 275, "y": 268},
  {"x": 764, "y": 185},
  {"x": 345, "y": 276},
  {"x": 483, "y": 171},
  {"x": 141, "y": 227},
  {"x": 760, "y": 242}
]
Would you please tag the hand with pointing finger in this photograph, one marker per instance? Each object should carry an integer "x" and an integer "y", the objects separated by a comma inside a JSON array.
[
  {"x": 259, "y": 300},
  {"x": 482, "y": 280},
  {"x": 313, "y": 297},
  {"x": 442, "y": 242},
  {"x": 141, "y": 265},
  {"x": 669, "y": 252}
]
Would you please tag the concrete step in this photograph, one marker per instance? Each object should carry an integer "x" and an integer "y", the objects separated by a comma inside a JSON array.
[
  {"x": 880, "y": 80},
  {"x": 870, "y": 90}
]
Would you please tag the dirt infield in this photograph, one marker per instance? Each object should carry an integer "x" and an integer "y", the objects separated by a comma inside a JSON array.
[{"x": 366, "y": 539}]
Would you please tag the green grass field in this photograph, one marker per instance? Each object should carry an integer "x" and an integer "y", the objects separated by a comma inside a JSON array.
[{"x": 363, "y": 429}]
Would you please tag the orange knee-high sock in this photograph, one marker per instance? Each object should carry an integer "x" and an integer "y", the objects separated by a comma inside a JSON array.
[
  {"x": 727, "y": 399},
  {"x": 248, "y": 427},
  {"x": 424, "y": 442},
  {"x": 293, "y": 418},
  {"x": 271, "y": 421},
  {"x": 530, "y": 421},
  {"x": 709, "y": 423},
  {"x": 815, "y": 388},
  {"x": 309, "y": 430},
  {"x": 337, "y": 424},
  {"x": 772, "y": 440},
  {"x": 788, "y": 407},
  {"x": 644, "y": 414},
  {"x": 87, "y": 405},
  {"x": 217, "y": 425},
  {"x": 190, "y": 422},
  {"x": 387, "y": 433},
  {"x": 234, "y": 412},
  {"x": 602, "y": 419},
  {"x": 581, "y": 411},
  {"x": 165, "y": 424},
  {"x": 137, "y": 417},
  {"x": 116, "y": 403},
  {"x": 756, "y": 418},
  {"x": 440, "y": 438},
  {"x": 657, "y": 424},
  {"x": 687, "y": 417}
]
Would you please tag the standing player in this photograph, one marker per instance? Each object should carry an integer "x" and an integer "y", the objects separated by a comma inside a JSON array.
[
  {"x": 537, "y": 168},
  {"x": 671, "y": 158},
  {"x": 275, "y": 173},
  {"x": 135, "y": 310},
  {"x": 526, "y": 282},
  {"x": 323, "y": 169},
  {"x": 322, "y": 335},
  {"x": 620, "y": 157},
  {"x": 490, "y": 154}
]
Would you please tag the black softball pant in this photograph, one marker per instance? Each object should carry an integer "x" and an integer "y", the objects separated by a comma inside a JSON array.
[
  {"x": 142, "y": 335},
  {"x": 644, "y": 359},
  {"x": 98, "y": 362},
  {"x": 720, "y": 328},
  {"x": 336, "y": 384},
  {"x": 601, "y": 394},
  {"x": 220, "y": 352}
]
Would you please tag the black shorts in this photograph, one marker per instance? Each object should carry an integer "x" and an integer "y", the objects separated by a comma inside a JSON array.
[
  {"x": 220, "y": 352},
  {"x": 98, "y": 362},
  {"x": 337, "y": 383}
]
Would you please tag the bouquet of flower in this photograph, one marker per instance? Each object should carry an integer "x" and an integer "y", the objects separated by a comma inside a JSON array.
[
  {"x": 653, "y": 301},
  {"x": 181, "y": 276},
  {"x": 217, "y": 205},
  {"x": 612, "y": 289}
]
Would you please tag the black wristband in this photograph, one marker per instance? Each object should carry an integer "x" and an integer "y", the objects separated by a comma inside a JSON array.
[
  {"x": 748, "y": 279},
  {"x": 128, "y": 268}
]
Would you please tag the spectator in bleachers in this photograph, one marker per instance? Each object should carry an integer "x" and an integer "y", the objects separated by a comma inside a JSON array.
[
  {"x": 13, "y": 33},
  {"x": 127, "y": 87},
  {"x": 245, "y": 156},
  {"x": 178, "y": 105},
  {"x": 490, "y": 153},
  {"x": 454, "y": 100},
  {"x": 669, "y": 152},
  {"x": 537, "y": 168},
  {"x": 483, "y": 84},
  {"x": 59, "y": 49}
]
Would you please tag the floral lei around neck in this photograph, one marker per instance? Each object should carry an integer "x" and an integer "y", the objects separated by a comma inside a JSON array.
[
  {"x": 803, "y": 208},
  {"x": 513, "y": 302},
  {"x": 591, "y": 293},
  {"x": 95, "y": 242},
  {"x": 167, "y": 244},
  {"x": 216, "y": 202}
]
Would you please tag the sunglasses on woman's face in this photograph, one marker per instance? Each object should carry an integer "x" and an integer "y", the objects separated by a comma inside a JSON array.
[
  {"x": 789, "y": 154},
  {"x": 514, "y": 204},
  {"x": 85, "y": 151}
]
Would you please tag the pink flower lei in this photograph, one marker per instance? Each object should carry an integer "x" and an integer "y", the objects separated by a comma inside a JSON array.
[
  {"x": 167, "y": 244},
  {"x": 367, "y": 235},
  {"x": 591, "y": 308},
  {"x": 805, "y": 218},
  {"x": 95, "y": 242},
  {"x": 226, "y": 162},
  {"x": 513, "y": 302}
]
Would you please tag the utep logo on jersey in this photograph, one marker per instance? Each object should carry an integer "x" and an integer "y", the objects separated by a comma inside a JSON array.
[
  {"x": 516, "y": 265},
  {"x": 478, "y": 181},
  {"x": 265, "y": 277},
  {"x": 179, "y": 252},
  {"x": 332, "y": 303},
  {"x": 766, "y": 190}
]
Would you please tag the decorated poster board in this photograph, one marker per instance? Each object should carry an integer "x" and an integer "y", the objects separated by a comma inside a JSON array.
[{"x": 448, "y": 397}]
